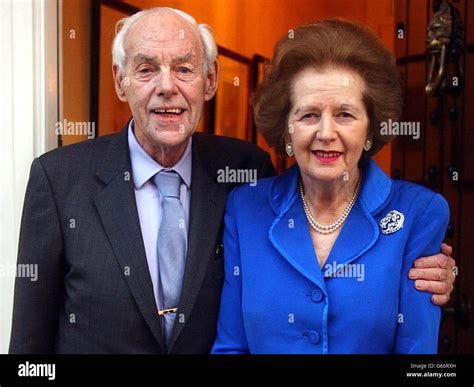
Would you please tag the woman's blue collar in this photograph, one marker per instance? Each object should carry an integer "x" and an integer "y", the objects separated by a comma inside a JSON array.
[{"x": 375, "y": 190}]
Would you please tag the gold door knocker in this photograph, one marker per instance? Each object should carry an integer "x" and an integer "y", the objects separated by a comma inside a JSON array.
[{"x": 444, "y": 43}]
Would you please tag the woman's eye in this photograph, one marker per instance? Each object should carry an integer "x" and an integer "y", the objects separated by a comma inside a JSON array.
[
  {"x": 309, "y": 115},
  {"x": 346, "y": 115}
]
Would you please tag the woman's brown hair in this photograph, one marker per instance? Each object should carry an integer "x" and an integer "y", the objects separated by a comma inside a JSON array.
[{"x": 338, "y": 43}]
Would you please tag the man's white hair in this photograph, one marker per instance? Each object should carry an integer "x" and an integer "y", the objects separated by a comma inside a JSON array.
[{"x": 123, "y": 26}]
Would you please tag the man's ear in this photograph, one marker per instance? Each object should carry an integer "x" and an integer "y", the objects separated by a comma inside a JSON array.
[
  {"x": 118, "y": 82},
  {"x": 212, "y": 81}
]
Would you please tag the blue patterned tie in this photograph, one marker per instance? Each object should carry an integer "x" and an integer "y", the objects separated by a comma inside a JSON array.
[{"x": 172, "y": 242}]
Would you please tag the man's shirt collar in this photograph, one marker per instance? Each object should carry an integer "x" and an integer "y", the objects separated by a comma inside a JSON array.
[{"x": 144, "y": 167}]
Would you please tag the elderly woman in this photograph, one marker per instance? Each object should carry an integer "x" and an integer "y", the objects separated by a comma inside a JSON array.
[{"x": 317, "y": 259}]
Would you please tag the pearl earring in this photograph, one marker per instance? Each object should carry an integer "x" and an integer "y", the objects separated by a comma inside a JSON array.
[
  {"x": 367, "y": 145},
  {"x": 289, "y": 149}
]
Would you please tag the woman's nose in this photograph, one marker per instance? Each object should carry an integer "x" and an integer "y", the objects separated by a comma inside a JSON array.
[{"x": 326, "y": 130}]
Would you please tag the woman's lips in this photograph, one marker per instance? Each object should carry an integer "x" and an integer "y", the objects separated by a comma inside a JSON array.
[{"x": 327, "y": 157}]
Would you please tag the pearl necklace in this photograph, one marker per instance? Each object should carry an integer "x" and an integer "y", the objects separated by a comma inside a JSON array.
[{"x": 328, "y": 228}]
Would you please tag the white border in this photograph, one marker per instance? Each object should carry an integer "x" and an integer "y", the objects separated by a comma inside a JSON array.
[{"x": 30, "y": 31}]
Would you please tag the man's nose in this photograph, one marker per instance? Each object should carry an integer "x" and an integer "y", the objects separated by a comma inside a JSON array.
[
  {"x": 165, "y": 84},
  {"x": 326, "y": 130}
]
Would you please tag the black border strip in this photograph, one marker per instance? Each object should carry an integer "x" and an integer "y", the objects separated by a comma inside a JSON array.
[{"x": 261, "y": 369}]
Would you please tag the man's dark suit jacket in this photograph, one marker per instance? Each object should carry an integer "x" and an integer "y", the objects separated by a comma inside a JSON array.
[{"x": 80, "y": 226}]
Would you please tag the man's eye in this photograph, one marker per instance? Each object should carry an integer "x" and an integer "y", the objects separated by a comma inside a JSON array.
[
  {"x": 309, "y": 115},
  {"x": 184, "y": 70},
  {"x": 144, "y": 70}
]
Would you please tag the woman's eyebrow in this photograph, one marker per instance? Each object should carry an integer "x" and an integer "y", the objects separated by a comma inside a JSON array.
[
  {"x": 342, "y": 106},
  {"x": 348, "y": 106},
  {"x": 307, "y": 107}
]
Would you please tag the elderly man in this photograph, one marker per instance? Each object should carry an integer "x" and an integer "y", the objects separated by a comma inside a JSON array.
[{"x": 126, "y": 229}]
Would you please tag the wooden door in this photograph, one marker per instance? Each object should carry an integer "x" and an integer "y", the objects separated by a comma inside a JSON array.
[{"x": 442, "y": 157}]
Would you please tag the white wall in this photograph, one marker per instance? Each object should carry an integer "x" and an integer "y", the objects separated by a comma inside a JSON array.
[{"x": 28, "y": 110}]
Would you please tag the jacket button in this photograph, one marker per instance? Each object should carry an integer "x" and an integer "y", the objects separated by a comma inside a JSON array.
[
  {"x": 314, "y": 337},
  {"x": 316, "y": 296}
]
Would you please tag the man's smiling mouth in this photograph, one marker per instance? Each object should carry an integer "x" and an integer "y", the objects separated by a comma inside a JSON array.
[
  {"x": 172, "y": 111},
  {"x": 168, "y": 114}
]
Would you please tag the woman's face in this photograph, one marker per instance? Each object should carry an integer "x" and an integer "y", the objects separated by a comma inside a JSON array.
[{"x": 327, "y": 122}]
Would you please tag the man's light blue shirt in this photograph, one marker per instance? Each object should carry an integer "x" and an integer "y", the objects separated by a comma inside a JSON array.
[{"x": 148, "y": 198}]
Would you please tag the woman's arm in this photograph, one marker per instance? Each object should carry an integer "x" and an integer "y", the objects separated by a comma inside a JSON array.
[
  {"x": 231, "y": 338},
  {"x": 418, "y": 318}
]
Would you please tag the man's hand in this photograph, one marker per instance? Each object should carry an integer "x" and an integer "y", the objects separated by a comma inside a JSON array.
[{"x": 434, "y": 274}]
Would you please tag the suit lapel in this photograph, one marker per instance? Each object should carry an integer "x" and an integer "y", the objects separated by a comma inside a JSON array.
[
  {"x": 206, "y": 213},
  {"x": 361, "y": 231},
  {"x": 358, "y": 234},
  {"x": 117, "y": 208},
  {"x": 289, "y": 233}
]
